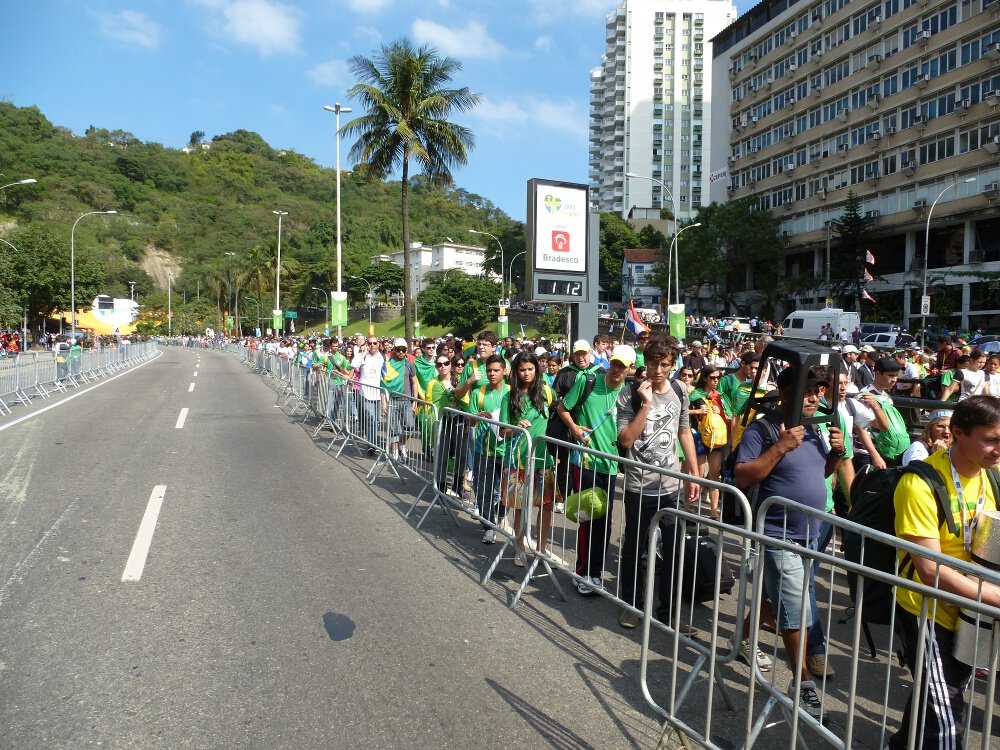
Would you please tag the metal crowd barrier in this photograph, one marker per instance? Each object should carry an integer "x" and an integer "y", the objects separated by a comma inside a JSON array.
[{"x": 39, "y": 374}]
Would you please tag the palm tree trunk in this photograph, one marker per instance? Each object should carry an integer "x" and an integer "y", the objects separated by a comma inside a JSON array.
[{"x": 407, "y": 272}]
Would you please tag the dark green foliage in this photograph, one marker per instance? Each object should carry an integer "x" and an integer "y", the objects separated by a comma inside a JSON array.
[
  {"x": 179, "y": 210},
  {"x": 852, "y": 237},
  {"x": 459, "y": 302}
]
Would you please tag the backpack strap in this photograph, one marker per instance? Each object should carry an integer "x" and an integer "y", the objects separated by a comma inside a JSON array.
[{"x": 930, "y": 475}]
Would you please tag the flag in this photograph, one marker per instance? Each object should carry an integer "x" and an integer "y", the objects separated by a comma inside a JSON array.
[
  {"x": 866, "y": 295},
  {"x": 868, "y": 276},
  {"x": 869, "y": 258},
  {"x": 633, "y": 322}
]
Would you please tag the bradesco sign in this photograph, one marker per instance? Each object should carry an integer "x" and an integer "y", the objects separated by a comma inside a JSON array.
[{"x": 560, "y": 226}]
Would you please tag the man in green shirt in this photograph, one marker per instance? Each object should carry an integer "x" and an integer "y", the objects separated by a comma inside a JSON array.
[
  {"x": 399, "y": 378},
  {"x": 485, "y": 402},
  {"x": 595, "y": 426},
  {"x": 426, "y": 371},
  {"x": 640, "y": 347},
  {"x": 735, "y": 387},
  {"x": 473, "y": 374},
  {"x": 339, "y": 371}
]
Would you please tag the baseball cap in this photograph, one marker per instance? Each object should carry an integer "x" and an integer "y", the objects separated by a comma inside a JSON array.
[
  {"x": 399, "y": 344},
  {"x": 540, "y": 350},
  {"x": 868, "y": 348},
  {"x": 581, "y": 345},
  {"x": 887, "y": 364},
  {"x": 624, "y": 354},
  {"x": 850, "y": 349},
  {"x": 696, "y": 344}
]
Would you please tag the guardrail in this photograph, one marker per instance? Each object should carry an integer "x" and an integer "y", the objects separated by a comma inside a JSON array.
[
  {"x": 645, "y": 555},
  {"x": 31, "y": 375}
]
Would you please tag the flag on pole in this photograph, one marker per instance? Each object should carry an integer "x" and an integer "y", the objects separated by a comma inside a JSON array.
[
  {"x": 868, "y": 276},
  {"x": 866, "y": 295},
  {"x": 869, "y": 258},
  {"x": 633, "y": 322}
]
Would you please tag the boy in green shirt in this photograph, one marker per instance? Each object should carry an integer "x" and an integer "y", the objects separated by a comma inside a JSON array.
[
  {"x": 485, "y": 402},
  {"x": 596, "y": 428}
]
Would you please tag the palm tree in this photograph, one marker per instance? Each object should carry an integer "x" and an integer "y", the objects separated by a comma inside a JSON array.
[{"x": 403, "y": 91}]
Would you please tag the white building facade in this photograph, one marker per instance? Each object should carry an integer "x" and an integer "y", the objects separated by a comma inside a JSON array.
[
  {"x": 897, "y": 101},
  {"x": 649, "y": 105},
  {"x": 445, "y": 256}
]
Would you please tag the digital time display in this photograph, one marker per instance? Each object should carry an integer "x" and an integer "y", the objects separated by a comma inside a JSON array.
[{"x": 559, "y": 288}]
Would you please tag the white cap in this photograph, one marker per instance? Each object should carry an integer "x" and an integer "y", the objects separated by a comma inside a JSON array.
[
  {"x": 540, "y": 350},
  {"x": 850, "y": 349},
  {"x": 581, "y": 345},
  {"x": 400, "y": 344},
  {"x": 624, "y": 354}
]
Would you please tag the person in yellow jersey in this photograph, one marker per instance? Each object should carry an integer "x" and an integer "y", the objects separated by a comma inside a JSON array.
[{"x": 964, "y": 467}]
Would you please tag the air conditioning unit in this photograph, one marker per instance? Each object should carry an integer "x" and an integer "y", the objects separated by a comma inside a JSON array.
[
  {"x": 753, "y": 149},
  {"x": 872, "y": 214},
  {"x": 890, "y": 129},
  {"x": 993, "y": 146},
  {"x": 993, "y": 51},
  {"x": 908, "y": 170},
  {"x": 817, "y": 16},
  {"x": 790, "y": 171},
  {"x": 990, "y": 97},
  {"x": 876, "y": 137},
  {"x": 991, "y": 189},
  {"x": 874, "y": 60},
  {"x": 732, "y": 160},
  {"x": 842, "y": 115},
  {"x": 921, "y": 81},
  {"x": 794, "y": 34},
  {"x": 875, "y": 21},
  {"x": 754, "y": 119},
  {"x": 786, "y": 233},
  {"x": 817, "y": 55},
  {"x": 842, "y": 147},
  {"x": 790, "y": 100},
  {"x": 732, "y": 73},
  {"x": 920, "y": 121},
  {"x": 924, "y": 36},
  {"x": 822, "y": 194},
  {"x": 817, "y": 91},
  {"x": 751, "y": 87},
  {"x": 873, "y": 101},
  {"x": 920, "y": 203},
  {"x": 793, "y": 66}
]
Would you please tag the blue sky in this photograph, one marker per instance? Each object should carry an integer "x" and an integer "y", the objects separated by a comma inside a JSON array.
[{"x": 162, "y": 69}]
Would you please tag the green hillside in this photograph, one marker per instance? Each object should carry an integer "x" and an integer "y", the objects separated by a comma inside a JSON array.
[{"x": 206, "y": 216}]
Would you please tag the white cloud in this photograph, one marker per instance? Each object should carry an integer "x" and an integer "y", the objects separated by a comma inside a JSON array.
[
  {"x": 329, "y": 73},
  {"x": 270, "y": 27},
  {"x": 368, "y": 34},
  {"x": 368, "y": 6},
  {"x": 544, "y": 43},
  {"x": 504, "y": 115},
  {"x": 132, "y": 27},
  {"x": 471, "y": 40},
  {"x": 549, "y": 11}
]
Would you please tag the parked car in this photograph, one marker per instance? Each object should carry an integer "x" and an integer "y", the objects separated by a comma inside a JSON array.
[{"x": 888, "y": 341}]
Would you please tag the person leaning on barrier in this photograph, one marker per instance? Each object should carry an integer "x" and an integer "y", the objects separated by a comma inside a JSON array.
[
  {"x": 975, "y": 430},
  {"x": 369, "y": 364},
  {"x": 579, "y": 366},
  {"x": 399, "y": 378},
  {"x": 649, "y": 435},
  {"x": 594, "y": 426},
  {"x": 485, "y": 401},
  {"x": 789, "y": 461}
]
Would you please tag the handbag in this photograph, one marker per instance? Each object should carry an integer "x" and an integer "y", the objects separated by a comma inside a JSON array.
[{"x": 514, "y": 488}]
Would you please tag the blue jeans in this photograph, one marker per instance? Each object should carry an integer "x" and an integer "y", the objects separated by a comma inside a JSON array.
[
  {"x": 786, "y": 575},
  {"x": 486, "y": 485}
]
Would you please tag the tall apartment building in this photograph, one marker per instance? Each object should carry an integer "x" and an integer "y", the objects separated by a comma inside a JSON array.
[
  {"x": 648, "y": 102},
  {"x": 895, "y": 100}
]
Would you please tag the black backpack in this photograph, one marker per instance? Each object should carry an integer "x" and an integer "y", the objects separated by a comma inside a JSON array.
[
  {"x": 872, "y": 506},
  {"x": 562, "y": 385}
]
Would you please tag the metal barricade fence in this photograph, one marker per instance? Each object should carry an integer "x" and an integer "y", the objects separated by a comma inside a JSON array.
[{"x": 861, "y": 707}]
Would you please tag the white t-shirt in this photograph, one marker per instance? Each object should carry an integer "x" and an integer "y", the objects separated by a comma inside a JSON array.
[
  {"x": 369, "y": 367},
  {"x": 972, "y": 383}
]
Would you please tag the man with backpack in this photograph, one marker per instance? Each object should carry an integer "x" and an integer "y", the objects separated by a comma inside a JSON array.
[
  {"x": 735, "y": 387},
  {"x": 793, "y": 461},
  {"x": 888, "y": 428},
  {"x": 968, "y": 474},
  {"x": 652, "y": 417}
]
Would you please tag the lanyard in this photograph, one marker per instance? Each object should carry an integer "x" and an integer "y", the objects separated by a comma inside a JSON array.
[{"x": 968, "y": 526}]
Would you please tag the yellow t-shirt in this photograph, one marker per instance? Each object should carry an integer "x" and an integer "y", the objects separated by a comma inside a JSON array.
[{"x": 917, "y": 515}]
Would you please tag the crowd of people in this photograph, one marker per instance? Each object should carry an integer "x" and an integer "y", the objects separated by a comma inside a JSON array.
[{"x": 663, "y": 403}]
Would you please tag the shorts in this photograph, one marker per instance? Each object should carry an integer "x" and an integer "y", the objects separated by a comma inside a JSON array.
[{"x": 786, "y": 576}]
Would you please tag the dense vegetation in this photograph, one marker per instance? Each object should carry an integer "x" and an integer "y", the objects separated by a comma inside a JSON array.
[{"x": 204, "y": 215}]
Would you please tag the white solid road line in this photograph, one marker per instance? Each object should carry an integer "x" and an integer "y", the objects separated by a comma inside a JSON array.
[
  {"x": 144, "y": 539},
  {"x": 180, "y": 419},
  {"x": 190, "y": 388}
]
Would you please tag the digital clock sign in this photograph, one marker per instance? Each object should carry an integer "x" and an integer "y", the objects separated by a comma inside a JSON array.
[
  {"x": 560, "y": 288},
  {"x": 558, "y": 241}
]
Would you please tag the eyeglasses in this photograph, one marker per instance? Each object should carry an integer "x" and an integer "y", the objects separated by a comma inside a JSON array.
[
  {"x": 445, "y": 363},
  {"x": 460, "y": 364},
  {"x": 372, "y": 342},
  {"x": 713, "y": 377},
  {"x": 401, "y": 349},
  {"x": 687, "y": 375}
]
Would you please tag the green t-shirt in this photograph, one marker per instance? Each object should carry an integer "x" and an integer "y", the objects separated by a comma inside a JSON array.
[
  {"x": 539, "y": 422},
  {"x": 848, "y": 454},
  {"x": 598, "y": 413},
  {"x": 335, "y": 364},
  {"x": 486, "y": 399},
  {"x": 640, "y": 358},
  {"x": 480, "y": 379}
]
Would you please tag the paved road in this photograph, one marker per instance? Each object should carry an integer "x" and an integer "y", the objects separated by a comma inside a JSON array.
[{"x": 282, "y": 604}]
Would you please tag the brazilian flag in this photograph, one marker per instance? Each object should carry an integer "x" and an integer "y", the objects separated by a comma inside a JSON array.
[{"x": 392, "y": 378}]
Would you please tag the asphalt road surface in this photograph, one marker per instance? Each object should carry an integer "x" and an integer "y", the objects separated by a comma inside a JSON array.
[{"x": 182, "y": 566}]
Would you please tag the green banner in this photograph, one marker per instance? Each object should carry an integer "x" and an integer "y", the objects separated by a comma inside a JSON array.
[
  {"x": 502, "y": 326},
  {"x": 276, "y": 321},
  {"x": 230, "y": 324},
  {"x": 338, "y": 309},
  {"x": 677, "y": 321}
]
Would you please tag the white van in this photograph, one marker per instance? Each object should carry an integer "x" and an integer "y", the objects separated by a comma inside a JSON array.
[{"x": 806, "y": 324}]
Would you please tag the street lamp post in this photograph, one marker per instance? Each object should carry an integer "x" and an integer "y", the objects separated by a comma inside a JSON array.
[
  {"x": 72, "y": 267},
  {"x": 277, "y": 270},
  {"x": 329, "y": 306},
  {"x": 371, "y": 301},
  {"x": 337, "y": 110},
  {"x": 676, "y": 256},
  {"x": 29, "y": 181},
  {"x": 510, "y": 271},
  {"x": 476, "y": 231},
  {"x": 256, "y": 305},
  {"x": 927, "y": 253},
  {"x": 673, "y": 210},
  {"x": 170, "y": 306}
]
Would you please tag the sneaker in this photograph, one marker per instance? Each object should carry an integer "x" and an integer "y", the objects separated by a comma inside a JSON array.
[
  {"x": 560, "y": 508},
  {"x": 588, "y": 585},
  {"x": 809, "y": 699},
  {"x": 372, "y": 451},
  {"x": 395, "y": 455},
  {"x": 818, "y": 666},
  {"x": 490, "y": 537},
  {"x": 629, "y": 619},
  {"x": 404, "y": 454},
  {"x": 763, "y": 660}
]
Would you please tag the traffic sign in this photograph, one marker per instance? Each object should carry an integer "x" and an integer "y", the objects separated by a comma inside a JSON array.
[{"x": 925, "y": 305}]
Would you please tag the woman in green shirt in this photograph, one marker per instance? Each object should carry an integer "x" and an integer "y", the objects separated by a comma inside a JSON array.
[
  {"x": 439, "y": 392},
  {"x": 527, "y": 404}
]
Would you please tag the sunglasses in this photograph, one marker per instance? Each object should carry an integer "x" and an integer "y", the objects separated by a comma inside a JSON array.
[
  {"x": 713, "y": 377},
  {"x": 687, "y": 374},
  {"x": 442, "y": 364},
  {"x": 459, "y": 364},
  {"x": 372, "y": 342}
]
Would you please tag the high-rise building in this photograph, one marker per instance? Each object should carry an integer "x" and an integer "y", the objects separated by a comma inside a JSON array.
[
  {"x": 649, "y": 103},
  {"x": 895, "y": 100}
]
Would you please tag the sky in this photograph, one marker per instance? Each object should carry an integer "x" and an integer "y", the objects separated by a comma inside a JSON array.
[{"x": 163, "y": 69}]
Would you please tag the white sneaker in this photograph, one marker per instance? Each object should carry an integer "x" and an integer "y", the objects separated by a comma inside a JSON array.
[
  {"x": 404, "y": 454},
  {"x": 589, "y": 585},
  {"x": 763, "y": 660},
  {"x": 490, "y": 537},
  {"x": 560, "y": 508},
  {"x": 395, "y": 455}
]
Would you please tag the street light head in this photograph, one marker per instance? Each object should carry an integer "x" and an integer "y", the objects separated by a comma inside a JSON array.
[
  {"x": 970, "y": 179},
  {"x": 280, "y": 213},
  {"x": 696, "y": 224},
  {"x": 109, "y": 212},
  {"x": 29, "y": 181},
  {"x": 475, "y": 231},
  {"x": 632, "y": 174}
]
